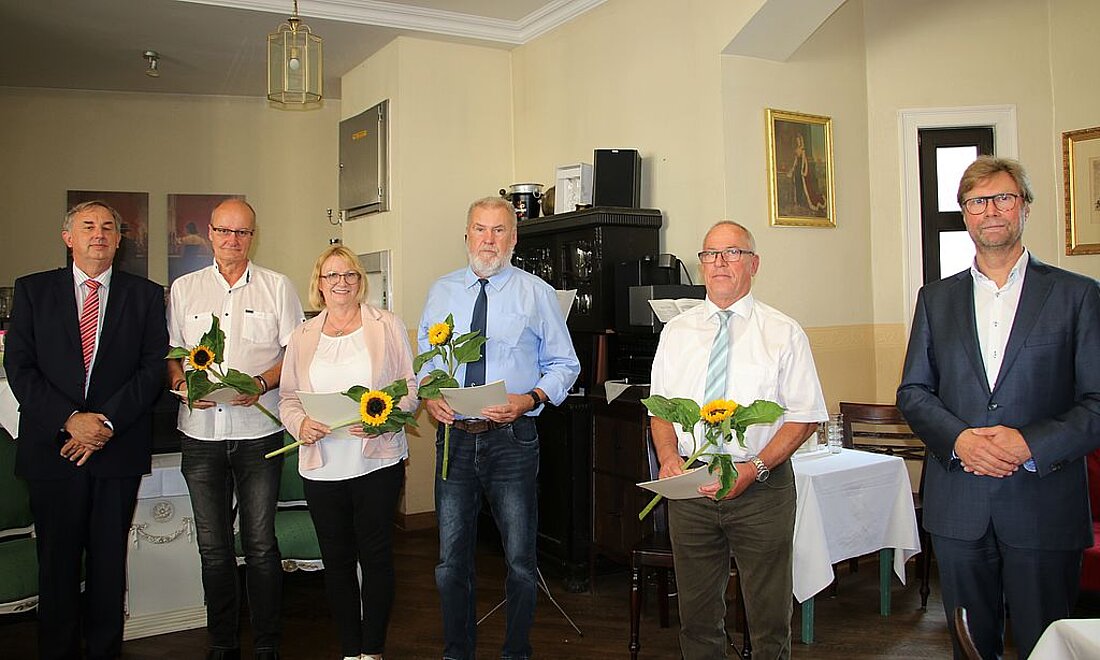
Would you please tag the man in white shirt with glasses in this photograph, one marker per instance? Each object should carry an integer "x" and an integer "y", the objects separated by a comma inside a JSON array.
[{"x": 224, "y": 443}]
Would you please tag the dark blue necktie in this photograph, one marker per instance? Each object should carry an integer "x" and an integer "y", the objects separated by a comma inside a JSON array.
[{"x": 475, "y": 371}]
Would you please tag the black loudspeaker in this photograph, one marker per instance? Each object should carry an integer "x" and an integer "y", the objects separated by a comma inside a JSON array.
[{"x": 616, "y": 178}]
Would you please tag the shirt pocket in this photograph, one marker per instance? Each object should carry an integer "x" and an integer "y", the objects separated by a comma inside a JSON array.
[
  {"x": 751, "y": 382},
  {"x": 194, "y": 327},
  {"x": 260, "y": 328},
  {"x": 508, "y": 330}
]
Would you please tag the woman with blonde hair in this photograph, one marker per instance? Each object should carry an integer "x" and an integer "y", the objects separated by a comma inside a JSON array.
[{"x": 352, "y": 479}]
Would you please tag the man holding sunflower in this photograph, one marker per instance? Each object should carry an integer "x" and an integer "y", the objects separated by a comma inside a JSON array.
[
  {"x": 497, "y": 453},
  {"x": 735, "y": 349},
  {"x": 224, "y": 443}
]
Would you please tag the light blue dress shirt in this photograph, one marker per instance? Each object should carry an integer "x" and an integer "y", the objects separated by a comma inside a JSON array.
[{"x": 528, "y": 342}]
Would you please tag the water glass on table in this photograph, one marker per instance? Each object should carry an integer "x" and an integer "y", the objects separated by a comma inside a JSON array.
[{"x": 834, "y": 432}]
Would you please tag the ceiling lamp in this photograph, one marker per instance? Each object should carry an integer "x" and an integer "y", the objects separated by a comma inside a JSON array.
[
  {"x": 294, "y": 66},
  {"x": 152, "y": 58}
]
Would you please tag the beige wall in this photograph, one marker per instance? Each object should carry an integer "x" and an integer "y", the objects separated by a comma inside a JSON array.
[
  {"x": 56, "y": 141},
  {"x": 450, "y": 143}
]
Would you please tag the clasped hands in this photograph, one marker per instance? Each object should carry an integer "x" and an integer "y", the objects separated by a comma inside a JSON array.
[
  {"x": 88, "y": 433},
  {"x": 518, "y": 405},
  {"x": 992, "y": 451}
]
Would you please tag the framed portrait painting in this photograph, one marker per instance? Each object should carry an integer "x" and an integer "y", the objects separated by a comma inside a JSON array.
[
  {"x": 1081, "y": 175},
  {"x": 800, "y": 169}
]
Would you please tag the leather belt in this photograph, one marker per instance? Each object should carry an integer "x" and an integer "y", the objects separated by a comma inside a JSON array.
[{"x": 475, "y": 426}]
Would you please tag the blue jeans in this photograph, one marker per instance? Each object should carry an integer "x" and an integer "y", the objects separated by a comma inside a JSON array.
[
  {"x": 215, "y": 471},
  {"x": 502, "y": 463}
]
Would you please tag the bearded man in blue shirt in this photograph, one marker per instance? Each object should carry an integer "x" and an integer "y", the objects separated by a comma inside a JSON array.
[{"x": 498, "y": 452}]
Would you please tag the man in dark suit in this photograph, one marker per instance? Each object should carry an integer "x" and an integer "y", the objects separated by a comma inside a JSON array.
[
  {"x": 1002, "y": 383},
  {"x": 85, "y": 359}
]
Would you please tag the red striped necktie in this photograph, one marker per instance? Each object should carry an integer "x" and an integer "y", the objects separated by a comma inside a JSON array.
[{"x": 89, "y": 319}]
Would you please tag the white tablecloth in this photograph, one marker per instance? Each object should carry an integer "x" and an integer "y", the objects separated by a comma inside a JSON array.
[
  {"x": 9, "y": 409},
  {"x": 849, "y": 504},
  {"x": 1069, "y": 639}
]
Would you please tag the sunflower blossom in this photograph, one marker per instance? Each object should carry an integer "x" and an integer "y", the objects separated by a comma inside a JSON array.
[
  {"x": 201, "y": 357},
  {"x": 438, "y": 334},
  {"x": 718, "y": 411},
  {"x": 375, "y": 407}
]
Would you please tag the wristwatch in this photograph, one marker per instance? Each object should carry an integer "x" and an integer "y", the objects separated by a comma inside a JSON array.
[
  {"x": 762, "y": 471},
  {"x": 535, "y": 397}
]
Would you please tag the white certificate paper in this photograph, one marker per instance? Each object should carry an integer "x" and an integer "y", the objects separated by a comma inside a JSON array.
[
  {"x": 683, "y": 486},
  {"x": 468, "y": 401},
  {"x": 332, "y": 409},
  {"x": 222, "y": 395},
  {"x": 565, "y": 301}
]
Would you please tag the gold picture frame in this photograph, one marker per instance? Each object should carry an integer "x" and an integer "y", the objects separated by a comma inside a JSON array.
[
  {"x": 800, "y": 169},
  {"x": 1081, "y": 177}
]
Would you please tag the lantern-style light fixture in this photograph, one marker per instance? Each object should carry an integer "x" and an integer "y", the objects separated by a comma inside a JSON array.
[{"x": 295, "y": 71}]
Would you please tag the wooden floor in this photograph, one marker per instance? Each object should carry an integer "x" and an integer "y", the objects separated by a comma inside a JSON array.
[{"x": 848, "y": 625}]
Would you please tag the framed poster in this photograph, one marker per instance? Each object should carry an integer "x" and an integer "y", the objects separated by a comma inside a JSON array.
[
  {"x": 133, "y": 250},
  {"x": 1081, "y": 179},
  {"x": 800, "y": 170},
  {"x": 189, "y": 232}
]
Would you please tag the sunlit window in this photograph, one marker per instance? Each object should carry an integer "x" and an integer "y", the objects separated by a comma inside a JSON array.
[
  {"x": 956, "y": 252},
  {"x": 951, "y": 162}
]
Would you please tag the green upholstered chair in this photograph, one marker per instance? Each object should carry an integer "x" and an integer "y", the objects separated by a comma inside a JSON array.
[
  {"x": 18, "y": 553},
  {"x": 293, "y": 526}
]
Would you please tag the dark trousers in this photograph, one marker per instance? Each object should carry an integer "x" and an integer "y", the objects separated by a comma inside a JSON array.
[
  {"x": 216, "y": 471},
  {"x": 504, "y": 464},
  {"x": 757, "y": 529},
  {"x": 354, "y": 522},
  {"x": 83, "y": 517},
  {"x": 1038, "y": 586}
]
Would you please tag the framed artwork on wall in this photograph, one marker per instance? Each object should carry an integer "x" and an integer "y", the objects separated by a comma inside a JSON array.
[
  {"x": 189, "y": 232},
  {"x": 133, "y": 250},
  {"x": 800, "y": 169},
  {"x": 1081, "y": 179}
]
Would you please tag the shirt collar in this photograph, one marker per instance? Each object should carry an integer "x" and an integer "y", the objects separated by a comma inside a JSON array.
[
  {"x": 742, "y": 307},
  {"x": 104, "y": 278},
  {"x": 1014, "y": 275},
  {"x": 245, "y": 279},
  {"x": 496, "y": 281}
]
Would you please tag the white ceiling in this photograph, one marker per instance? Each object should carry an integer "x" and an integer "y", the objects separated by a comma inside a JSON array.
[{"x": 219, "y": 46}]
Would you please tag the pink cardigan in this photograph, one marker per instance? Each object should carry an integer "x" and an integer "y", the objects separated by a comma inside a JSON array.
[{"x": 391, "y": 358}]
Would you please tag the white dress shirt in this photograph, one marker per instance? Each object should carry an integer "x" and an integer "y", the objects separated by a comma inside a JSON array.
[
  {"x": 257, "y": 314},
  {"x": 769, "y": 358},
  {"x": 994, "y": 312}
]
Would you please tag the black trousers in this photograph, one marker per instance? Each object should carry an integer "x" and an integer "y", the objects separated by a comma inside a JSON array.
[
  {"x": 82, "y": 521},
  {"x": 354, "y": 522}
]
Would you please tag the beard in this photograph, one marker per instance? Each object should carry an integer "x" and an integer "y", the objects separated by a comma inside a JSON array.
[{"x": 489, "y": 266}]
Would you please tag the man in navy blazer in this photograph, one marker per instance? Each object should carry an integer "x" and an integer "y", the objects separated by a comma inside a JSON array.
[
  {"x": 1002, "y": 383},
  {"x": 85, "y": 436}
]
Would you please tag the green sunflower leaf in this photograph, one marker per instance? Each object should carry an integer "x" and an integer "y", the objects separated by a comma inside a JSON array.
[
  {"x": 214, "y": 339},
  {"x": 470, "y": 350},
  {"x": 177, "y": 353},
  {"x": 684, "y": 412},
  {"x": 241, "y": 382},
  {"x": 436, "y": 379},
  {"x": 426, "y": 356}
]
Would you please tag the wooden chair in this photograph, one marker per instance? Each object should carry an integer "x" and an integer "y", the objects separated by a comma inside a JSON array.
[
  {"x": 880, "y": 428},
  {"x": 18, "y": 549},
  {"x": 960, "y": 631},
  {"x": 654, "y": 551}
]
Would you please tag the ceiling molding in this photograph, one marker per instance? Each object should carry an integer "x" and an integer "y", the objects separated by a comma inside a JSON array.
[{"x": 423, "y": 19}]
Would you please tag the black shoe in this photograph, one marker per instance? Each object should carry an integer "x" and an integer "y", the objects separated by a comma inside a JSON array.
[
  {"x": 267, "y": 655},
  {"x": 223, "y": 654}
]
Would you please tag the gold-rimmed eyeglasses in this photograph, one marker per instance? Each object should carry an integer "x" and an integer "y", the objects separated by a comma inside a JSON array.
[
  {"x": 1002, "y": 201},
  {"x": 729, "y": 255},
  {"x": 227, "y": 232},
  {"x": 350, "y": 277}
]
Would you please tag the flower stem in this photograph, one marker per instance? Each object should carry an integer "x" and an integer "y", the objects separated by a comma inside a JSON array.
[
  {"x": 283, "y": 450},
  {"x": 657, "y": 498},
  {"x": 446, "y": 450}
]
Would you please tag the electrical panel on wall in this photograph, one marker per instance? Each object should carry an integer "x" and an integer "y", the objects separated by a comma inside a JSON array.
[{"x": 364, "y": 162}]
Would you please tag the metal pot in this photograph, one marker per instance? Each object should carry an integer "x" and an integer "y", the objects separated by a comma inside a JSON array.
[{"x": 525, "y": 198}]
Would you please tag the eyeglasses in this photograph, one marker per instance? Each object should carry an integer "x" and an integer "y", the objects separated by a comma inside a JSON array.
[
  {"x": 1003, "y": 202},
  {"x": 729, "y": 255},
  {"x": 351, "y": 277},
  {"x": 239, "y": 233}
]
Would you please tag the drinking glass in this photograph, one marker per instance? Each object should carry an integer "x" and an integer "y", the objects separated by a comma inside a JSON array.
[{"x": 835, "y": 432}]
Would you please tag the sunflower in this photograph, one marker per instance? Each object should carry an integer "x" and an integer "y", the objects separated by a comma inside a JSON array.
[
  {"x": 201, "y": 357},
  {"x": 375, "y": 407},
  {"x": 718, "y": 411},
  {"x": 438, "y": 334}
]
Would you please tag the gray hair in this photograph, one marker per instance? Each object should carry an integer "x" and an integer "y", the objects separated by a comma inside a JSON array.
[
  {"x": 67, "y": 223},
  {"x": 490, "y": 203},
  {"x": 731, "y": 223}
]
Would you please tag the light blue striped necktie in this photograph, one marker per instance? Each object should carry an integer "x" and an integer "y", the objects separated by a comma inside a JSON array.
[{"x": 719, "y": 359}]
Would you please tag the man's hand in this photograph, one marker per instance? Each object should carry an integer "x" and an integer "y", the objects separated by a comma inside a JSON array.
[
  {"x": 199, "y": 404},
  {"x": 994, "y": 451},
  {"x": 244, "y": 400},
  {"x": 89, "y": 430},
  {"x": 517, "y": 405},
  {"x": 746, "y": 475},
  {"x": 440, "y": 411},
  {"x": 74, "y": 451},
  {"x": 671, "y": 467}
]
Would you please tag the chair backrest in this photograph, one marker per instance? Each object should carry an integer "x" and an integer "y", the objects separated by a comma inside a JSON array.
[
  {"x": 659, "y": 514},
  {"x": 881, "y": 428},
  {"x": 1092, "y": 461},
  {"x": 961, "y": 632},
  {"x": 291, "y": 491},
  {"x": 15, "y": 503}
]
